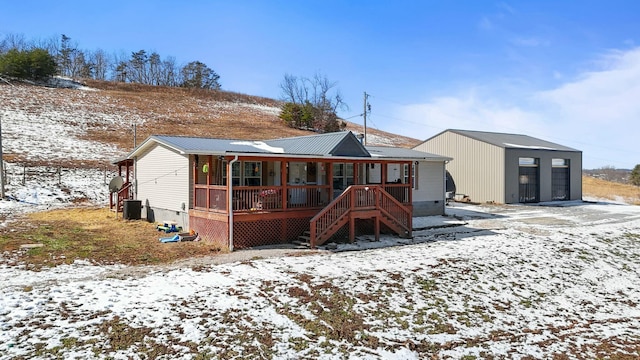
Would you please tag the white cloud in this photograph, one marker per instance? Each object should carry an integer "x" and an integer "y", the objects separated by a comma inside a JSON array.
[
  {"x": 605, "y": 96},
  {"x": 472, "y": 112},
  {"x": 531, "y": 41},
  {"x": 597, "y": 112}
]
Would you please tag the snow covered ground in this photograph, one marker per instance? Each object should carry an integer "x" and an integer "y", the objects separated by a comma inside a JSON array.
[
  {"x": 559, "y": 280},
  {"x": 517, "y": 282},
  {"x": 43, "y": 125}
]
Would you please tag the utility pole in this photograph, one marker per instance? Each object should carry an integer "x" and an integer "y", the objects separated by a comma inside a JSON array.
[
  {"x": 1, "y": 164},
  {"x": 134, "y": 135},
  {"x": 365, "y": 117}
]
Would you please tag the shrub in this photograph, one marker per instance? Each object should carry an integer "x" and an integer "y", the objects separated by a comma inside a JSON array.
[{"x": 35, "y": 64}]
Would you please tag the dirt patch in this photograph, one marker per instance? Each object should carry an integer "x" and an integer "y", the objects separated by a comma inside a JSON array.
[{"x": 545, "y": 220}]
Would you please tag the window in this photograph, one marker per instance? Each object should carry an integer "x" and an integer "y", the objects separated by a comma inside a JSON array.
[
  {"x": 235, "y": 173},
  {"x": 528, "y": 161},
  {"x": 414, "y": 183},
  {"x": 252, "y": 173},
  {"x": 405, "y": 177},
  {"x": 560, "y": 162},
  {"x": 342, "y": 175}
]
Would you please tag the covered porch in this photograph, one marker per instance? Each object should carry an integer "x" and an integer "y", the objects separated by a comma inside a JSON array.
[{"x": 246, "y": 201}]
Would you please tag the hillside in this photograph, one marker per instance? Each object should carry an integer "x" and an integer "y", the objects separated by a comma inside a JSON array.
[
  {"x": 59, "y": 142},
  {"x": 101, "y": 114}
]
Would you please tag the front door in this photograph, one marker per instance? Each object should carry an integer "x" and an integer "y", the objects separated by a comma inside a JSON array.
[{"x": 297, "y": 177}]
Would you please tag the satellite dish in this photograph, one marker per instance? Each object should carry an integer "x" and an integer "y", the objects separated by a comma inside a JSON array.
[{"x": 116, "y": 184}]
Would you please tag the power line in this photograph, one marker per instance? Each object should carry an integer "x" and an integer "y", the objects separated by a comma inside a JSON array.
[{"x": 351, "y": 117}]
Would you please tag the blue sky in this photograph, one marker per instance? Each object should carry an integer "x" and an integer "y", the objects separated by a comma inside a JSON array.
[{"x": 564, "y": 71}]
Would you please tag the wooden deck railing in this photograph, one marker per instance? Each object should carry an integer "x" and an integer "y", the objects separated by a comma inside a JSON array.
[
  {"x": 264, "y": 198},
  {"x": 360, "y": 198}
]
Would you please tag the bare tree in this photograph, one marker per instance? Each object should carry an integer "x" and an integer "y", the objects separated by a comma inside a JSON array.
[
  {"x": 170, "y": 72},
  {"x": 312, "y": 97},
  {"x": 294, "y": 90},
  {"x": 155, "y": 67},
  {"x": 101, "y": 64},
  {"x": 14, "y": 41},
  {"x": 315, "y": 90}
]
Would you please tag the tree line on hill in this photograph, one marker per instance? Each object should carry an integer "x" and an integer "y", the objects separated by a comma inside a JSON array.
[
  {"x": 610, "y": 173},
  {"x": 39, "y": 60},
  {"x": 309, "y": 103}
]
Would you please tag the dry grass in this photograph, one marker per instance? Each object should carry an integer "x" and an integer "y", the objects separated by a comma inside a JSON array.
[
  {"x": 96, "y": 235},
  {"x": 158, "y": 111},
  {"x": 604, "y": 189},
  {"x": 195, "y": 112}
]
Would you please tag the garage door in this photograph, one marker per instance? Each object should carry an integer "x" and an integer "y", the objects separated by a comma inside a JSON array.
[
  {"x": 529, "y": 180},
  {"x": 560, "y": 179}
]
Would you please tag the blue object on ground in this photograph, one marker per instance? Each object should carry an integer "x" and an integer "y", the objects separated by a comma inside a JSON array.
[{"x": 174, "y": 238}]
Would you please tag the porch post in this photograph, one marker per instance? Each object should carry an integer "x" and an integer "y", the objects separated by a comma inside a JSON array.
[
  {"x": 194, "y": 171},
  {"x": 384, "y": 168},
  {"x": 330, "y": 179},
  {"x": 208, "y": 175},
  {"x": 412, "y": 173},
  {"x": 356, "y": 176},
  {"x": 284, "y": 164}
]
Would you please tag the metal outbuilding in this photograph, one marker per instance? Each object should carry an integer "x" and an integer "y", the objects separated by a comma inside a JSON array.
[{"x": 508, "y": 168}]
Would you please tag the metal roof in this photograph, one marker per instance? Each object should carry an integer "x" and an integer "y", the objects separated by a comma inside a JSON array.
[
  {"x": 195, "y": 145},
  {"x": 402, "y": 153},
  {"x": 511, "y": 141},
  {"x": 340, "y": 144}
]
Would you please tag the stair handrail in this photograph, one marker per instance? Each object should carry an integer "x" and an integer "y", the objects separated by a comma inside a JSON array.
[
  {"x": 341, "y": 206},
  {"x": 396, "y": 211},
  {"x": 124, "y": 193},
  {"x": 330, "y": 215}
]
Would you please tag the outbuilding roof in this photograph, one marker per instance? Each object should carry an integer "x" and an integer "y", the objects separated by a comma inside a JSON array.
[
  {"x": 338, "y": 144},
  {"x": 387, "y": 152},
  {"x": 510, "y": 141}
]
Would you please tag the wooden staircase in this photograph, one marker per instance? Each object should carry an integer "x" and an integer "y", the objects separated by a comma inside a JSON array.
[
  {"x": 116, "y": 199},
  {"x": 359, "y": 202}
]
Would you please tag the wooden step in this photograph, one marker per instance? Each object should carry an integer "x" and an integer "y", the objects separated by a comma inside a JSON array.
[{"x": 301, "y": 242}]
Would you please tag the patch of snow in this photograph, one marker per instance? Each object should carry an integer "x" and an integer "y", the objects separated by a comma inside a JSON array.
[
  {"x": 528, "y": 146},
  {"x": 260, "y": 145},
  {"x": 515, "y": 280}
]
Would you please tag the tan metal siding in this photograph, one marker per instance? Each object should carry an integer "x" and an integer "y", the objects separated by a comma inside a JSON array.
[
  {"x": 163, "y": 179},
  {"x": 477, "y": 167}
]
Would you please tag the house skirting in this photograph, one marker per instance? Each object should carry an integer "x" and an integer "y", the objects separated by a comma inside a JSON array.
[
  {"x": 250, "y": 229},
  {"x": 428, "y": 208},
  {"x": 154, "y": 214}
]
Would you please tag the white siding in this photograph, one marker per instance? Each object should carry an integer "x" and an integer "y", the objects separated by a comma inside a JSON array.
[
  {"x": 430, "y": 182},
  {"x": 163, "y": 179}
]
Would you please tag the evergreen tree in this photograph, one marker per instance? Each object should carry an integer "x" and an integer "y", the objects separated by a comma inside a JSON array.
[
  {"x": 36, "y": 64},
  {"x": 42, "y": 64},
  {"x": 635, "y": 176},
  {"x": 198, "y": 75}
]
